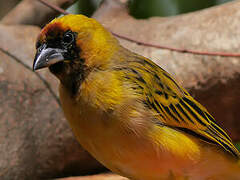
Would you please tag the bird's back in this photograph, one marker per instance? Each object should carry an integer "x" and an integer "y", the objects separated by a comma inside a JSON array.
[{"x": 172, "y": 105}]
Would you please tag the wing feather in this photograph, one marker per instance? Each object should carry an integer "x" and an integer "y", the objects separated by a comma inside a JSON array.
[{"x": 174, "y": 106}]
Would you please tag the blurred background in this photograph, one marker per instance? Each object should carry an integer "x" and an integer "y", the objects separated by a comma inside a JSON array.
[
  {"x": 137, "y": 8},
  {"x": 35, "y": 139}
]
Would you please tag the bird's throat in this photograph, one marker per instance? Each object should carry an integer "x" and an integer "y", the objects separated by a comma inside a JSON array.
[
  {"x": 57, "y": 68},
  {"x": 70, "y": 75}
]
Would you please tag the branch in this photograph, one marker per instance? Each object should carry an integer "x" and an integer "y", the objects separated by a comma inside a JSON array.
[
  {"x": 177, "y": 49},
  {"x": 54, "y": 7},
  {"x": 34, "y": 12}
]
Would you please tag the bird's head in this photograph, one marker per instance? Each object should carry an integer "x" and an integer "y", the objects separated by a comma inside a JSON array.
[{"x": 73, "y": 44}]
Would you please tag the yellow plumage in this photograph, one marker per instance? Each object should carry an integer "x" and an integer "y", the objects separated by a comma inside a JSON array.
[{"x": 128, "y": 112}]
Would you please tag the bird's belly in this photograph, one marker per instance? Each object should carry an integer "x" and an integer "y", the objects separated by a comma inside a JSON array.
[
  {"x": 138, "y": 157},
  {"x": 133, "y": 157},
  {"x": 126, "y": 154}
]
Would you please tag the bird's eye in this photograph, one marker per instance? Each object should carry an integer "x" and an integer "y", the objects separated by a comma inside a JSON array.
[{"x": 68, "y": 38}]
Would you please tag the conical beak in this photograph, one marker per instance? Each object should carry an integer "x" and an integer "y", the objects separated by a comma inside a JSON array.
[{"x": 47, "y": 56}]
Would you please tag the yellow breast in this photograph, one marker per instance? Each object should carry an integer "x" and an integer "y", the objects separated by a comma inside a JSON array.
[{"x": 146, "y": 154}]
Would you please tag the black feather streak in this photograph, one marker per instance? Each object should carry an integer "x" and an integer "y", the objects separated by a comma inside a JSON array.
[
  {"x": 192, "y": 113},
  {"x": 175, "y": 111},
  {"x": 169, "y": 112},
  {"x": 184, "y": 113},
  {"x": 196, "y": 108}
]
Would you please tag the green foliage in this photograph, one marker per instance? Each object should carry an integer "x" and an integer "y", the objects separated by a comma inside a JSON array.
[
  {"x": 85, "y": 7},
  {"x": 238, "y": 145},
  {"x": 148, "y": 8}
]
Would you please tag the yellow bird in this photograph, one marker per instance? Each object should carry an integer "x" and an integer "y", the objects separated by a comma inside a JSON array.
[{"x": 128, "y": 112}]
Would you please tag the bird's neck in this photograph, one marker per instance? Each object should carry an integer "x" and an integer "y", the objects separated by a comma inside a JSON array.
[
  {"x": 71, "y": 75},
  {"x": 98, "y": 49}
]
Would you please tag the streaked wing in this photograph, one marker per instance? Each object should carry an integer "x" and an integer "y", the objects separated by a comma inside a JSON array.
[{"x": 173, "y": 105}]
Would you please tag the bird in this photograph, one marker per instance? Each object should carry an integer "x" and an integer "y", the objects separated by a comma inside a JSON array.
[{"x": 128, "y": 112}]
